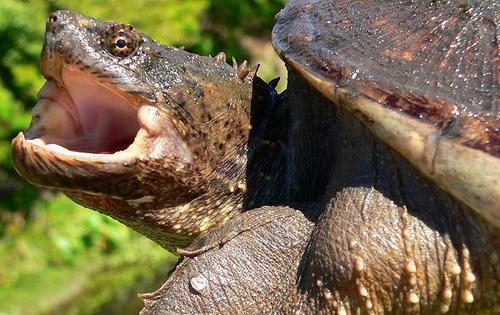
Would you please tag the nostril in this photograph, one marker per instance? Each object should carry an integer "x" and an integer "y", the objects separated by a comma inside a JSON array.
[
  {"x": 57, "y": 18},
  {"x": 55, "y": 22},
  {"x": 53, "y": 18}
]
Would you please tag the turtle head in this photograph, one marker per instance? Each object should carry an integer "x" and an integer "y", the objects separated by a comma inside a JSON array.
[{"x": 132, "y": 128}]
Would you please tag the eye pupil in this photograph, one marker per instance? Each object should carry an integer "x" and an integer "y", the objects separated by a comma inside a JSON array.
[
  {"x": 121, "y": 43},
  {"x": 121, "y": 40}
]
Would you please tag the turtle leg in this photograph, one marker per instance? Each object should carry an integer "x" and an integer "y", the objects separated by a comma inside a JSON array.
[
  {"x": 390, "y": 241},
  {"x": 249, "y": 266}
]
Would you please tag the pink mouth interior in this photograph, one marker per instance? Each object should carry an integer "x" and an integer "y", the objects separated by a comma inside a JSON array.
[{"x": 83, "y": 116}]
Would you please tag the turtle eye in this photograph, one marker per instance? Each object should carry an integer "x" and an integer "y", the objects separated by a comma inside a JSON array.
[{"x": 121, "y": 40}]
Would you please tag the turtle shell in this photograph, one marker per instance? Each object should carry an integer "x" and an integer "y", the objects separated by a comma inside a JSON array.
[{"x": 422, "y": 75}]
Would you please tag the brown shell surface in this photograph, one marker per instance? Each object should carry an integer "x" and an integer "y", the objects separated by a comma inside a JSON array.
[
  {"x": 431, "y": 66},
  {"x": 434, "y": 60}
]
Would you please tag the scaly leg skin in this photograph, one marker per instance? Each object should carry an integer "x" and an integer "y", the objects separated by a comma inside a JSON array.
[
  {"x": 248, "y": 267},
  {"x": 387, "y": 241},
  {"x": 391, "y": 242}
]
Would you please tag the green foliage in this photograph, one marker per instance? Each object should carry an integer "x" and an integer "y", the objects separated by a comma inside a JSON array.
[
  {"x": 168, "y": 21},
  {"x": 227, "y": 21},
  {"x": 21, "y": 34},
  {"x": 69, "y": 231},
  {"x": 59, "y": 247}
]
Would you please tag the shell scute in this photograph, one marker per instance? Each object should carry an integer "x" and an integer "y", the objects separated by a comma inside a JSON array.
[{"x": 422, "y": 75}]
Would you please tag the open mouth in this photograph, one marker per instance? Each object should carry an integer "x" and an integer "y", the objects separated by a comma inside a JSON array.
[
  {"x": 84, "y": 132},
  {"x": 82, "y": 116},
  {"x": 78, "y": 118}
]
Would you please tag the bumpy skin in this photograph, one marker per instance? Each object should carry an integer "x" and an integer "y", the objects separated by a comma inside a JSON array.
[
  {"x": 249, "y": 267},
  {"x": 390, "y": 241},
  {"x": 294, "y": 206},
  {"x": 385, "y": 241}
]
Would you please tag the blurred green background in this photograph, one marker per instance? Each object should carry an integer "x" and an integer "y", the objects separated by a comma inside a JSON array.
[{"x": 57, "y": 257}]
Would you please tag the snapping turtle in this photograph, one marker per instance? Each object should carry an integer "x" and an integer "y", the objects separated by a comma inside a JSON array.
[{"x": 369, "y": 186}]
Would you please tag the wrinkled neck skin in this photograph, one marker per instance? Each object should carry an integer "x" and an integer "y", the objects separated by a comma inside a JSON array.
[
  {"x": 219, "y": 183},
  {"x": 388, "y": 240},
  {"x": 383, "y": 238}
]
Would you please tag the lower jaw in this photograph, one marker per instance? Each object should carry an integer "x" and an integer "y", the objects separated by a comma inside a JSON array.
[
  {"x": 125, "y": 153},
  {"x": 57, "y": 167}
]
